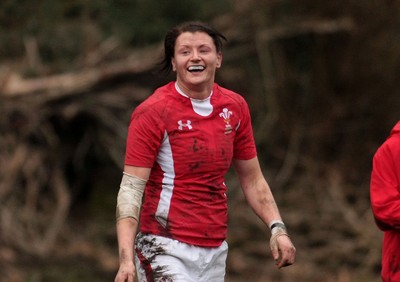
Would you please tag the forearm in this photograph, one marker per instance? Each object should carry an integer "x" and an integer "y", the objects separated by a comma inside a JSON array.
[
  {"x": 261, "y": 200},
  {"x": 129, "y": 201},
  {"x": 126, "y": 233},
  {"x": 257, "y": 190}
]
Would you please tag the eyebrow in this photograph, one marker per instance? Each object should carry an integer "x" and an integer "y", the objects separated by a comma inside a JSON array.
[{"x": 189, "y": 46}]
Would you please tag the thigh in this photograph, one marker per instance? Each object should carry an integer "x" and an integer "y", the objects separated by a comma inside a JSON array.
[
  {"x": 160, "y": 259},
  {"x": 215, "y": 265}
]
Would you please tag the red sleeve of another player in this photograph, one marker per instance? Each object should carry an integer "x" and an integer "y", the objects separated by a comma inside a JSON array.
[
  {"x": 145, "y": 135},
  {"x": 384, "y": 189},
  {"x": 245, "y": 147}
]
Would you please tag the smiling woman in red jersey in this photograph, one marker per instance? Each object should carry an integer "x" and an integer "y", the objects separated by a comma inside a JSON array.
[{"x": 181, "y": 142}]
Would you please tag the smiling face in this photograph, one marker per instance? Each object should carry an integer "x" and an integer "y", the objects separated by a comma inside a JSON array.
[{"x": 195, "y": 62}]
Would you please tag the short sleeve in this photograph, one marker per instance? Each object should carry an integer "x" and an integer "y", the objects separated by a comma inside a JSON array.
[
  {"x": 244, "y": 145},
  {"x": 145, "y": 134},
  {"x": 385, "y": 190}
]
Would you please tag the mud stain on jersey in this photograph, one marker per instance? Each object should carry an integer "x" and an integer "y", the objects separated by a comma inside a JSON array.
[
  {"x": 194, "y": 166},
  {"x": 150, "y": 249},
  {"x": 195, "y": 147}
]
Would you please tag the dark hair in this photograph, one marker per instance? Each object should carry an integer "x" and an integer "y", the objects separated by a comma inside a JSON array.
[{"x": 193, "y": 26}]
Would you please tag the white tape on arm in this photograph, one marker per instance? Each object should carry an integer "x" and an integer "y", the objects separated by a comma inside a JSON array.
[{"x": 130, "y": 195}]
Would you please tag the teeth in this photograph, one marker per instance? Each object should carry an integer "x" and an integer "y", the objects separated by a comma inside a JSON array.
[{"x": 195, "y": 68}]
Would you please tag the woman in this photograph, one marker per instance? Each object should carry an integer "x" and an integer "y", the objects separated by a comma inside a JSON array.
[{"x": 181, "y": 142}]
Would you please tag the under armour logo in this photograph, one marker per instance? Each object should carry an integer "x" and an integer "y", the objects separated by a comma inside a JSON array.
[{"x": 188, "y": 124}]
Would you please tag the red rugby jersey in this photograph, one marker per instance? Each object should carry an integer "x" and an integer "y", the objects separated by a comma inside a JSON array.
[{"x": 189, "y": 145}]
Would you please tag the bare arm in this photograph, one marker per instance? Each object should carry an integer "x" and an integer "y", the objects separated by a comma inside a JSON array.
[
  {"x": 257, "y": 190},
  {"x": 126, "y": 232},
  {"x": 261, "y": 200}
]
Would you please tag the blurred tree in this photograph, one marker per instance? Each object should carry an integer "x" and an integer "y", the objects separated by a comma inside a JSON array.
[
  {"x": 321, "y": 79},
  {"x": 67, "y": 30}
]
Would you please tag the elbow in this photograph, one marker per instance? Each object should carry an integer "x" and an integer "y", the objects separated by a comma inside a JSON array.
[
  {"x": 385, "y": 219},
  {"x": 382, "y": 225}
]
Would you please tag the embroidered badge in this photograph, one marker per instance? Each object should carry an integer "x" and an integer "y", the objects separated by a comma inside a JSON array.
[
  {"x": 226, "y": 115},
  {"x": 181, "y": 125}
]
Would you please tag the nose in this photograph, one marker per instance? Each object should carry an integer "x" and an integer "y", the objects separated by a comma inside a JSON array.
[{"x": 195, "y": 55}]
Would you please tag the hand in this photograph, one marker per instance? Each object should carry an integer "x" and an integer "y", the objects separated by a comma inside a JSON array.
[
  {"x": 283, "y": 251},
  {"x": 126, "y": 272}
]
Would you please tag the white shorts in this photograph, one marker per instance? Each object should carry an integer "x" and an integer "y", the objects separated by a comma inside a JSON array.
[{"x": 162, "y": 259}]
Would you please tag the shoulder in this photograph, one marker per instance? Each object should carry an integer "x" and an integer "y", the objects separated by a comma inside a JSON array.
[
  {"x": 391, "y": 147},
  {"x": 156, "y": 102},
  {"x": 393, "y": 143},
  {"x": 230, "y": 96}
]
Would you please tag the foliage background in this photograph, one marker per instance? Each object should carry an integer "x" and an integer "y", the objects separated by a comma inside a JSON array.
[{"x": 321, "y": 79}]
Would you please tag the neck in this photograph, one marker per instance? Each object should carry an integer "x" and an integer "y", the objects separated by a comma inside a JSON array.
[{"x": 201, "y": 93}]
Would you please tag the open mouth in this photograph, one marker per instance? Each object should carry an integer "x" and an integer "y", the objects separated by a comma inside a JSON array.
[{"x": 196, "y": 68}]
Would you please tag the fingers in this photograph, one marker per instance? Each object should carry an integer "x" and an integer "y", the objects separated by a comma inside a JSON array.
[
  {"x": 283, "y": 251},
  {"x": 125, "y": 276},
  {"x": 274, "y": 249},
  {"x": 284, "y": 261},
  {"x": 276, "y": 255},
  {"x": 287, "y": 252}
]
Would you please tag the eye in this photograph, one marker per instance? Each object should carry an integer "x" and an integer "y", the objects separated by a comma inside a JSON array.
[{"x": 184, "y": 52}]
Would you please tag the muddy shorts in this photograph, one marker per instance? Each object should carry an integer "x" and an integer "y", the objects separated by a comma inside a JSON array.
[{"x": 162, "y": 259}]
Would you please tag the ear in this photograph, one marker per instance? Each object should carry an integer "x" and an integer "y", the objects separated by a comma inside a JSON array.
[
  {"x": 219, "y": 60},
  {"x": 173, "y": 64}
]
